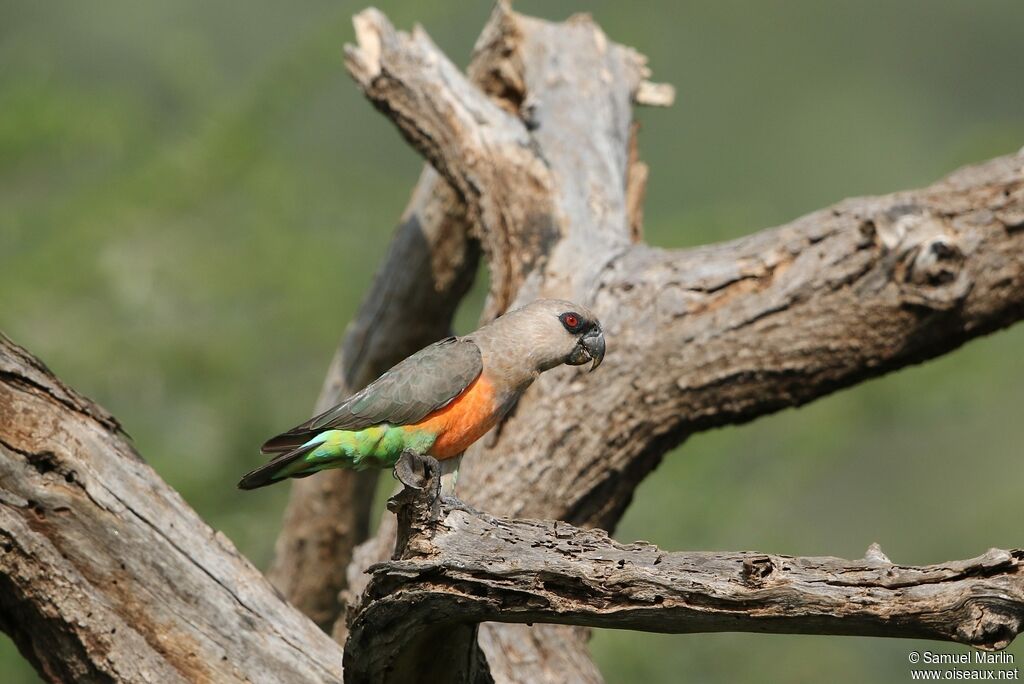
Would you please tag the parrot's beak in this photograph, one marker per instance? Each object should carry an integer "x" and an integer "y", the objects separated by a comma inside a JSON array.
[
  {"x": 593, "y": 345},
  {"x": 589, "y": 347}
]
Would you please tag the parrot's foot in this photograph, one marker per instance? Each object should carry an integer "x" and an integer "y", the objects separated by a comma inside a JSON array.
[
  {"x": 416, "y": 470},
  {"x": 424, "y": 475},
  {"x": 421, "y": 475},
  {"x": 456, "y": 504}
]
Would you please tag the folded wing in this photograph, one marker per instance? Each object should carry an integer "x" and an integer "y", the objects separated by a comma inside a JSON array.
[{"x": 421, "y": 384}]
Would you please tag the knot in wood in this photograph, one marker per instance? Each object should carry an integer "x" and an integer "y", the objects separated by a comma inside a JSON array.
[
  {"x": 935, "y": 262},
  {"x": 988, "y": 628},
  {"x": 925, "y": 257},
  {"x": 757, "y": 570}
]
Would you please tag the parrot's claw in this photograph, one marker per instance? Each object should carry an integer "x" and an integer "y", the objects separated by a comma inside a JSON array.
[
  {"x": 415, "y": 470},
  {"x": 418, "y": 471},
  {"x": 456, "y": 504}
]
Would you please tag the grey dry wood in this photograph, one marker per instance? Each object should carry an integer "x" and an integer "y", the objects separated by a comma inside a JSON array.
[
  {"x": 702, "y": 337},
  {"x": 459, "y": 568},
  {"x": 106, "y": 574}
]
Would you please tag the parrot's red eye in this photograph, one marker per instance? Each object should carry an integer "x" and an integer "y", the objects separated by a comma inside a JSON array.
[{"x": 571, "y": 321}]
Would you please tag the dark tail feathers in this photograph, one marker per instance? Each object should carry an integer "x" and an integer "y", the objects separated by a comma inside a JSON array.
[{"x": 272, "y": 472}]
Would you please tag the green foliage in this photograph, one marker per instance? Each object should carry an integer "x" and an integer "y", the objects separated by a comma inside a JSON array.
[{"x": 195, "y": 198}]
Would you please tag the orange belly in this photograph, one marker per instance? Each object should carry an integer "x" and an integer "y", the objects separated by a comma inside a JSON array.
[{"x": 466, "y": 419}]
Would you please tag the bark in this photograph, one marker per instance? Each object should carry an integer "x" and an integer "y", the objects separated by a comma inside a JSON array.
[
  {"x": 458, "y": 568},
  {"x": 106, "y": 574}
]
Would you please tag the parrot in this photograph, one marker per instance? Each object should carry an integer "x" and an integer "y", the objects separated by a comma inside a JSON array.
[{"x": 441, "y": 399}]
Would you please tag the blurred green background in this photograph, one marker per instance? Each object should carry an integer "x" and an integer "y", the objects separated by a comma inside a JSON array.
[{"x": 194, "y": 197}]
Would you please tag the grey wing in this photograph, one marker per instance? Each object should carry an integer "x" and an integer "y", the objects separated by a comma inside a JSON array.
[{"x": 426, "y": 381}]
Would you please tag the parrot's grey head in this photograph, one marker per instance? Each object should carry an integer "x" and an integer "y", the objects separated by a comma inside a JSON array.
[{"x": 551, "y": 332}]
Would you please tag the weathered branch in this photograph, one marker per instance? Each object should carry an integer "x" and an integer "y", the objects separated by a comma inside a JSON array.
[
  {"x": 482, "y": 150},
  {"x": 460, "y": 567},
  {"x": 106, "y": 574},
  {"x": 727, "y": 333}
]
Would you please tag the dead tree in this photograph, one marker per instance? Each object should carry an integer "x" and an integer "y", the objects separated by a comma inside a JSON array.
[{"x": 533, "y": 164}]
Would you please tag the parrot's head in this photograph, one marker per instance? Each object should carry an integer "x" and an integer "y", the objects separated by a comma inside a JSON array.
[{"x": 555, "y": 331}]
